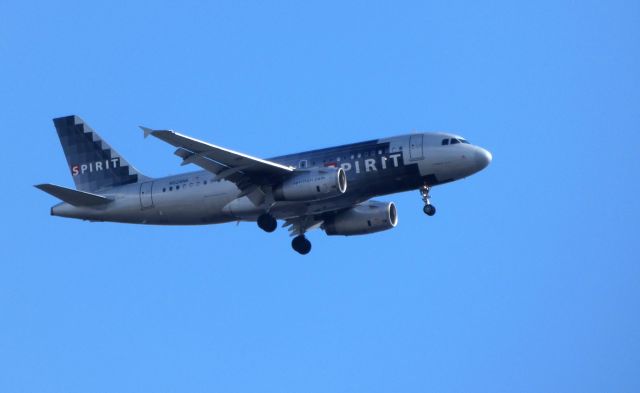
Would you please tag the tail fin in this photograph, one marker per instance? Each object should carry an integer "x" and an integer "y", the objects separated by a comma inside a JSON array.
[{"x": 93, "y": 163}]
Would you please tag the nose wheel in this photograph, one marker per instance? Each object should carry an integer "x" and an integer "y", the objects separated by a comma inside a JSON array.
[
  {"x": 428, "y": 208},
  {"x": 301, "y": 245}
]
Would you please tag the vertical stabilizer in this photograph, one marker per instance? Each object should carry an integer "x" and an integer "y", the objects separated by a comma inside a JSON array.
[{"x": 94, "y": 165}]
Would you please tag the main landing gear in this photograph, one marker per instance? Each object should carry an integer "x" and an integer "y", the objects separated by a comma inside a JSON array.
[
  {"x": 428, "y": 208},
  {"x": 301, "y": 244},
  {"x": 267, "y": 222}
]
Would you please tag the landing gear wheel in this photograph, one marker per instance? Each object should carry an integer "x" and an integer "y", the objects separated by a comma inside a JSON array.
[
  {"x": 267, "y": 223},
  {"x": 301, "y": 245},
  {"x": 429, "y": 210}
]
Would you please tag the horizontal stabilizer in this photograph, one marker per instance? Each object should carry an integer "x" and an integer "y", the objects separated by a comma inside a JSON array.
[{"x": 74, "y": 197}]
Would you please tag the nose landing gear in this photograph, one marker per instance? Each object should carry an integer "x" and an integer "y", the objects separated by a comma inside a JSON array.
[{"x": 428, "y": 208}]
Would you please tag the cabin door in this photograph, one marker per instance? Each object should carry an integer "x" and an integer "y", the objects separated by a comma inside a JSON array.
[
  {"x": 146, "y": 198},
  {"x": 415, "y": 147}
]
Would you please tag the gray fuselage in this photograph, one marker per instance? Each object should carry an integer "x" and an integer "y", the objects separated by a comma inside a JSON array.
[{"x": 373, "y": 168}]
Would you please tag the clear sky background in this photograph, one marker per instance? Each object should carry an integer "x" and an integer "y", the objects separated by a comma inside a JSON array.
[{"x": 527, "y": 279}]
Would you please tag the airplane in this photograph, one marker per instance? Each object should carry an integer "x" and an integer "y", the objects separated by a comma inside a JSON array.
[{"x": 330, "y": 189}]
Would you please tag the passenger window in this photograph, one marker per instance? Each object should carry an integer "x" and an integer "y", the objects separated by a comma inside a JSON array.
[
  {"x": 445, "y": 142},
  {"x": 170, "y": 188},
  {"x": 302, "y": 164},
  {"x": 454, "y": 141},
  {"x": 177, "y": 187},
  {"x": 204, "y": 182}
]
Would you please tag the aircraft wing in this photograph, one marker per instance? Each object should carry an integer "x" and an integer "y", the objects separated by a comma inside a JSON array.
[{"x": 247, "y": 172}]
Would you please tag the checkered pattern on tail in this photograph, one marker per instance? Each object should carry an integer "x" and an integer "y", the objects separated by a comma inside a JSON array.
[{"x": 94, "y": 165}]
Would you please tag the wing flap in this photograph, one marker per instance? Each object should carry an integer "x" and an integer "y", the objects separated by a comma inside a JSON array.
[
  {"x": 300, "y": 225},
  {"x": 197, "y": 159}
]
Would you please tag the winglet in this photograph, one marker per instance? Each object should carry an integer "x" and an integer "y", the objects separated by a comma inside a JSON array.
[{"x": 147, "y": 131}]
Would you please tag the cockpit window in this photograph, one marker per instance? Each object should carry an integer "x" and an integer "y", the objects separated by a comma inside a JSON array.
[
  {"x": 454, "y": 141},
  {"x": 445, "y": 142},
  {"x": 464, "y": 141}
]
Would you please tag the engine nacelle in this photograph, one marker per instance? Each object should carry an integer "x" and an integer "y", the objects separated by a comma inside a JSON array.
[
  {"x": 312, "y": 185},
  {"x": 368, "y": 217}
]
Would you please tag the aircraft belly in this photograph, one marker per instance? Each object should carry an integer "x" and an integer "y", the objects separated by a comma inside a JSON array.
[
  {"x": 244, "y": 209},
  {"x": 193, "y": 207},
  {"x": 189, "y": 207}
]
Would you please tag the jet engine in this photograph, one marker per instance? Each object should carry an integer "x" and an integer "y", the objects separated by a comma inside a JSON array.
[
  {"x": 311, "y": 185},
  {"x": 365, "y": 218}
]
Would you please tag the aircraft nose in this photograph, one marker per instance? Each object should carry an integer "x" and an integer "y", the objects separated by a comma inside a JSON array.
[{"x": 483, "y": 158}]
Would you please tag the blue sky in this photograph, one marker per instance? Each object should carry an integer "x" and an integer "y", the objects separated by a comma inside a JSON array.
[{"x": 526, "y": 280}]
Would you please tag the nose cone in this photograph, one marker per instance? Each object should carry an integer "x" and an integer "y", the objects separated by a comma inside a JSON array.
[{"x": 483, "y": 158}]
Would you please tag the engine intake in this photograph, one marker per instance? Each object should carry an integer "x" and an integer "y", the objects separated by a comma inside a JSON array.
[
  {"x": 368, "y": 217},
  {"x": 311, "y": 185}
]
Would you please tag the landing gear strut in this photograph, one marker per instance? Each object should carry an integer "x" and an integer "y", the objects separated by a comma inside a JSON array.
[
  {"x": 301, "y": 244},
  {"x": 267, "y": 222},
  {"x": 428, "y": 208}
]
